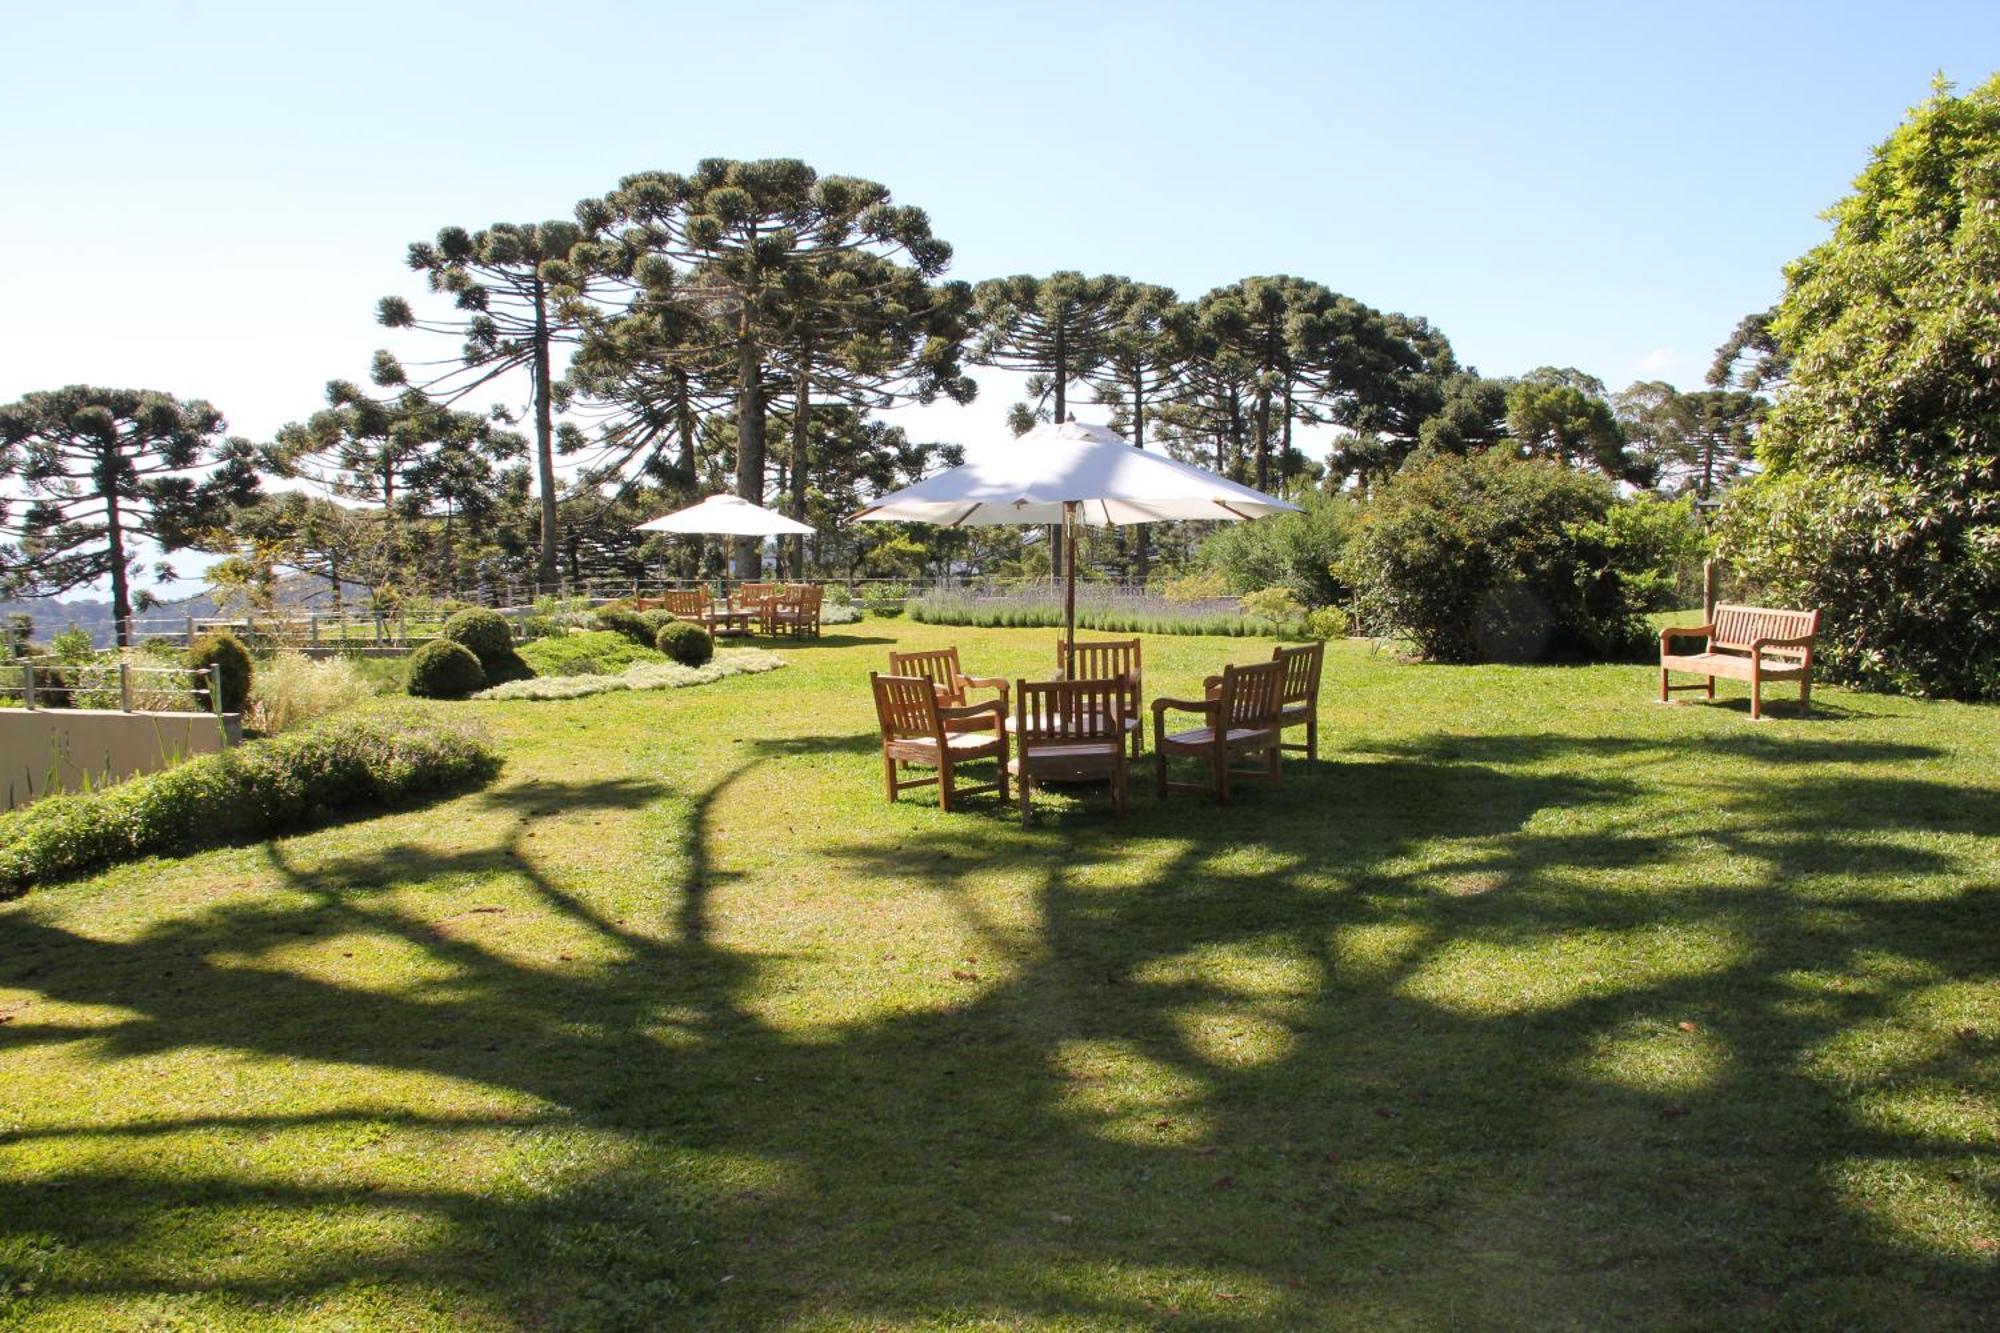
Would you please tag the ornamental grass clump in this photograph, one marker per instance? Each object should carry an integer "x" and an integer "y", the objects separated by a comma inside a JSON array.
[
  {"x": 291, "y": 690},
  {"x": 254, "y": 790}
]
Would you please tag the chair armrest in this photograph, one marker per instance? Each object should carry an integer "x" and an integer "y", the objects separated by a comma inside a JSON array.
[
  {"x": 993, "y": 706},
  {"x": 1672, "y": 632},
  {"x": 1184, "y": 705},
  {"x": 985, "y": 682},
  {"x": 1210, "y": 684}
]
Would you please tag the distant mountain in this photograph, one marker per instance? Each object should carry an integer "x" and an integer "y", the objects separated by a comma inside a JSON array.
[{"x": 52, "y": 615}]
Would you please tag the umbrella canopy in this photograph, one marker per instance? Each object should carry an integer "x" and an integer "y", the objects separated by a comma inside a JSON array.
[
  {"x": 1071, "y": 473},
  {"x": 1088, "y": 472},
  {"x": 726, "y": 516}
]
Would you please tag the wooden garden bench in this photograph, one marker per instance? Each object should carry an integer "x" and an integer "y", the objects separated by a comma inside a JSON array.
[{"x": 1753, "y": 643}]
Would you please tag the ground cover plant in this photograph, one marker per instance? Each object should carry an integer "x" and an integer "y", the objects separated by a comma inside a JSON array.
[
  {"x": 596, "y": 652},
  {"x": 1536, "y": 1004},
  {"x": 640, "y": 676}
]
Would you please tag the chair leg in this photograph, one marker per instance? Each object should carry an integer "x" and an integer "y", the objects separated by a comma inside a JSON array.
[
  {"x": 1160, "y": 771},
  {"x": 1312, "y": 738},
  {"x": 1756, "y": 696},
  {"x": 946, "y": 777},
  {"x": 1121, "y": 800},
  {"x": 1273, "y": 757},
  {"x": 1711, "y": 687},
  {"x": 1663, "y": 685},
  {"x": 889, "y": 778},
  {"x": 1021, "y": 791},
  {"x": 1805, "y": 696}
]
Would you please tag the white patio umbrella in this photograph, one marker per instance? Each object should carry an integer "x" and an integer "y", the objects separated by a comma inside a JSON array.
[
  {"x": 1071, "y": 473},
  {"x": 726, "y": 516}
]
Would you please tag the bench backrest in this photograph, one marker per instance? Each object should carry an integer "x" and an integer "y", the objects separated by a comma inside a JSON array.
[
  {"x": 1301, "y": 672},
  {"x": 1740, "y": 626}
]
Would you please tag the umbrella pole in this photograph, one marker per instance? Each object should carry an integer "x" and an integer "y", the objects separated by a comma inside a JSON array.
[{"x": 1069, "y": 583}]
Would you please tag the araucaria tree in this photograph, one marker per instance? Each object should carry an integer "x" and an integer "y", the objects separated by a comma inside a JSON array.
[
  {"x": 504, "y": 282},
  {"x": 1880, "y": 503},
  {"x": 94, "y": 476},
  {"x": 1145, "y": 350},
  {"x": 800, "y": 275}
]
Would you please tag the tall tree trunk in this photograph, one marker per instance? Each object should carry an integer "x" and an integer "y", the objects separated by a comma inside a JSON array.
[
  {"x": 114, "y": 534},
  {"x": 545, "y": 449},
  {"x": 391, "y": 563},
  {"x": 684, "y": 425},
  {"x": 450, "y": 552},
  {"x": 1142, "y": 561},
  {"x": 1285, "y": 435},
  {"x": 1263, "y": 441},
  {"x": 1054, "y": 531},
  {"x": 749, "y": 433},
  {"x": 800, "y": 441}
]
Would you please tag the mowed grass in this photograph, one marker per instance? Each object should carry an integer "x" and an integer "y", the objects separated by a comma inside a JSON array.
[{"x": 1533, "y": 1004}]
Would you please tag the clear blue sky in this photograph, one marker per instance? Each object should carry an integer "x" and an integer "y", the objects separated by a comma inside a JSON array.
[{"x": 209, "y": 198}]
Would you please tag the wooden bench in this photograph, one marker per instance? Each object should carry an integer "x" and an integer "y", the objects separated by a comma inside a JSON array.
[{"x": 1753, "y": 643}]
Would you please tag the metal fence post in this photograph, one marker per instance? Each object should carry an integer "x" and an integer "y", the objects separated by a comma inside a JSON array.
[
  {"x": 28, "y": 684},
  {"x": 215, "y": 687},
  {"x": 125, "y": 686},
  {"x": 190, "y": 621}
]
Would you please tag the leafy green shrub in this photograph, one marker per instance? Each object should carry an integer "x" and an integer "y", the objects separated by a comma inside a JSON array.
[
  {"x": 1878, "y": 503},
  {"x": 1202, "y": 585},
  {"x": 73, "y": 644},
  {"x": 643, "y": 676},
  {"x": 686, "y": 643},
  {"x": 1326, "y": 622},
  {"x": 1657, "y": 547},
  {"x": 486, "y": 633},
  {"x": 653, "y": 620},
  {"x": 1275, "y": 605},
  {"x": 1297, "y": 552},
  {"x": 292, "y": 689},
  {"x": 594, "y": 653},
  {"x": 223, "y": 649},
  {"x": 624, "y": 620},
  {"x": 838, "y": 595},
  {"x": 1492, "y": 558},
  {"x": 252, "y": 790},
  {"x": 442, "y": 669}
]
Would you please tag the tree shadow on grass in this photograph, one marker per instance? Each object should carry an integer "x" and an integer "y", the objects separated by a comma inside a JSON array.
[{"x": 1398, "y": 1044}]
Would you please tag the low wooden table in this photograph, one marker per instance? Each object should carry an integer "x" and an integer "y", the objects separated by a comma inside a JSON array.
[{"x": 729, "y": 620}]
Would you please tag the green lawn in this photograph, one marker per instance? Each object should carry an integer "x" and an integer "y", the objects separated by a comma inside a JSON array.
[{"x": 1533, "y": 1004}]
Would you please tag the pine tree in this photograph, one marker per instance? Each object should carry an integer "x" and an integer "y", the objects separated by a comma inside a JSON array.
[{"x": 100, "y": 473}]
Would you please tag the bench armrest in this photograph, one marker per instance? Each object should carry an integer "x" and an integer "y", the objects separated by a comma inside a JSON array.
[
  {"x": 1803, "y": 641},
  {"x": 1672, "y": 632}
]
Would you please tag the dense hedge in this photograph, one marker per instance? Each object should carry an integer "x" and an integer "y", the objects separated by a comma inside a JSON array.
[
  {"x": 624, "y": 620},
  {"x": 253, "y": 790},
  {"x": 442, "y": 669},
  {"x": 223, "y": 649},
  {"x": 686, "y": 643},
  {"x": 594, "y": 653},
  {"x": 486, "y": 633}
]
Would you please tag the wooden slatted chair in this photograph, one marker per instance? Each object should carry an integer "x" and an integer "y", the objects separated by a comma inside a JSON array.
[
  {"x": 687, "y": 604},
  {"x": 797, "y": 610},
  {"x": 1109, "y": 659},
  {"x": 940, "y": 667},
  {"x": 1753, "y": 643},
  {"x": 915, "y": 731},
  {"x": 1300, "y": 700},
  {"x": 1067, "y": 731},
  {"x": 1243, "y": 720}
]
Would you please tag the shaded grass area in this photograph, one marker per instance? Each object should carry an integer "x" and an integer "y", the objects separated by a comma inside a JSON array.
[{"x": 1534, "y": 1005}]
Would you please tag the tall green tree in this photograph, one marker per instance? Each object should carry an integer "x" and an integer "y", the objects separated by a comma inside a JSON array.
[
  {"x": 1880, "y": 503},
  {"x": 1563, "y": 414},
  {"x": 1692, "y": 443},
  {"x": 1146, "y": 350},
  {"x": 94, "y": 476},
  {"x": 749, "y": 244},
  {"x": 1750, "y": 359},
  {"x": 1279, "y": 329},
  {"x": 509, "y": 285}
]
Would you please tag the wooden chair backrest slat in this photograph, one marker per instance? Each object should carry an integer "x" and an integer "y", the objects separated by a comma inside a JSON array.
[
  {"x": 938, "y": 666},
  {"x": 1302, "y": 667},
  {"x": 1740, "y": 626},
  {"x": 1250, "y": 696},
  {"x": 755, "y": 592},
  {"x": 906, "y": 707},
  {"x": 1051, "y": 712},
  {"x": 687, "y": 603},
  {"x": 1100, "y": 659}
]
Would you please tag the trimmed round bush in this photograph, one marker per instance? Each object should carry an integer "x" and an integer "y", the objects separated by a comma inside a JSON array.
[
  {"x": 486, "y": 633},
  {"x": 624, "y": 620},
  {"x": 223, "y": 649},
  {"x": 442, "y": 669},
  {"x": 687, "y": 643}
]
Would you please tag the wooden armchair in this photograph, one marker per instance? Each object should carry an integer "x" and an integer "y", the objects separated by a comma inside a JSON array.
[
  {"x": 757, "y": 597},
  {"x": 687, "y": 604},
  {"x": 915, "y": 731},
  {"x": 1299, "y": 701},
  {"x": 797, "y": 610},
  {"x": 1243, "y": 719},
  {"x": 940, "y": 667},
  {"x": 1109, "y": 659},
  {"x": 1070, "y": 730}
]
